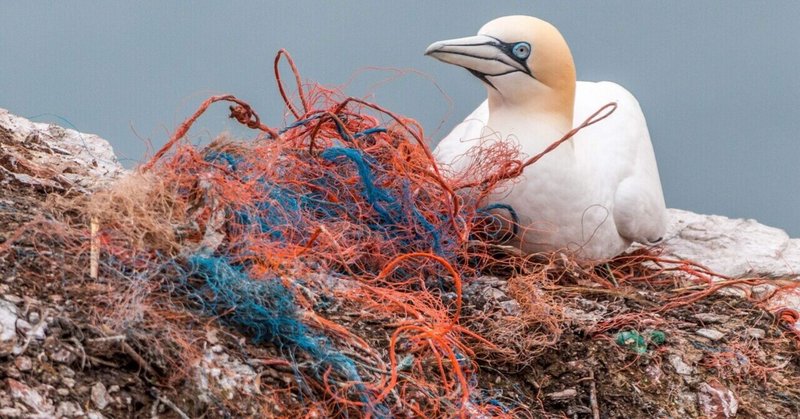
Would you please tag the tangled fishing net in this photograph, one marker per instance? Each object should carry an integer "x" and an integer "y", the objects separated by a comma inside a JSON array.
[
  {"x": 338, "y": 243},
  {"x": 344, "y": 206}
]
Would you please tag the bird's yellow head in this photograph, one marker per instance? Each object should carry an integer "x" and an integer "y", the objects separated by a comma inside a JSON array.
[{"x": 523, "y": 60}]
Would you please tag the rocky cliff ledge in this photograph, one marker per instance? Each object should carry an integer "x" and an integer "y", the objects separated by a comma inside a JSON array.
[
  {"x": 718, "y": 357},
  {"x": 47, "y": 156},
  {"x": 732, "y": 247}
]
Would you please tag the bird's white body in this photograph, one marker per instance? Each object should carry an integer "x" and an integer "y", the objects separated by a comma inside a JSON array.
[{"x": 594, "y": 194}]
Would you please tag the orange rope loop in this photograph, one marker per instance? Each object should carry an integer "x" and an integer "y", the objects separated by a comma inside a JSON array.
[{"x": 297, "y": 80}]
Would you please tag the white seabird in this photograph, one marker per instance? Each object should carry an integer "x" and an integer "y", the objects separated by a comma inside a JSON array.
[{"x": 596, "y": 193}]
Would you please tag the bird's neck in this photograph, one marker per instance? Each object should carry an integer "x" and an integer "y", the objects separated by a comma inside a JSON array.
[{"x": 534, "y": 123}]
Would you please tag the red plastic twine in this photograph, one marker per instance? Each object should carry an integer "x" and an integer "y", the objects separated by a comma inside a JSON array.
[{"x": 243, "y": 113}]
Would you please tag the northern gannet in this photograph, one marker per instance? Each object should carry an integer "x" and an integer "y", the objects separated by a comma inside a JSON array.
[{"x": 596, "y": 193}]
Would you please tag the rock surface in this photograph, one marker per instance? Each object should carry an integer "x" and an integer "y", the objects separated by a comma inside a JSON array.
[
  {"x": 732, "y": 247},
  {"x": 8, "y": 327},
  {"x": 716, "y": 401},
  {"x": 51, "y": 157}
]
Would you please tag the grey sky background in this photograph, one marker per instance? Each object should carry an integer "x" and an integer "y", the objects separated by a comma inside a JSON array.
[{"x": 717, "y": 80}]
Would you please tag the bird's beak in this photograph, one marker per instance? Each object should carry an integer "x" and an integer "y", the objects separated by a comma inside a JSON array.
[{"x": 481, "y": 55}]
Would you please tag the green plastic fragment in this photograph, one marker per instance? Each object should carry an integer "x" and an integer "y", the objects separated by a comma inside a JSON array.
[
  {"x": 633, "y": 340},
  {"x": 658, "y": 337}
]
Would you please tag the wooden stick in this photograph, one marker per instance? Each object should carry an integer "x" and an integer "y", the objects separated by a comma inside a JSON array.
[
  {"x": 94, "y": 255},
  {"x": 593, "y": 396}
]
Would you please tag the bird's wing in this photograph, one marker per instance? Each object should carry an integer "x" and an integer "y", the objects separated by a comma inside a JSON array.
[
  {"x": 618, "y": 151},
  {"x": 450, "y": 150}
]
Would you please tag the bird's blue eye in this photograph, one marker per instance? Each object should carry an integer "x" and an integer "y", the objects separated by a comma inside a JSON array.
[{"x": 521, "y": 50}]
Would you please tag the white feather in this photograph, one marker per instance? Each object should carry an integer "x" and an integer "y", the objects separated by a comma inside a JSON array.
[{"x": 595, "y": 207}]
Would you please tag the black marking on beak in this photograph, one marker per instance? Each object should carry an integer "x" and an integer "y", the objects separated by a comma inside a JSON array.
[{"x": 482, "y": 77}]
